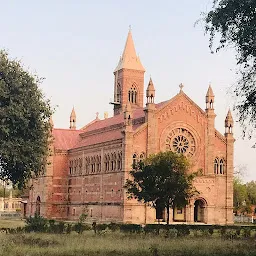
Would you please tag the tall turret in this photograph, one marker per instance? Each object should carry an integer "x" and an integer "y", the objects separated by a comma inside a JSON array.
[
  {"x": 150, "y": 118},
  {"x": 128, "y": 114},
  {"x": 229, "y": 123},
  {"x": 209, "y": 99},
  {"x": 150, "y": 92},
  {"x": 72, "y": 120},
  {"x": 129, "y": 79}
]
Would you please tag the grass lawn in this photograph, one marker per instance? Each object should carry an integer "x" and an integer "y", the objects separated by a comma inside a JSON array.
[
  {"x": 6, "y": 223},
  {"x": 117, "y": 243}
]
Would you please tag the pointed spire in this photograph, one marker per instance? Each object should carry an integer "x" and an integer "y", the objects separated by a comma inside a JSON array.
[
  {"x": 229, "y": 122},
  {"x": 229, "y": 119},
  {"x": 209, "y": 98},
  {"x": 51, "y": 123},
  {"x": 209, "y": 94},
  {"x": 73, "y": 113},
  {"x": 129, "y": 59},
  {"x": 150, "y": 92},
  {"x": 72, "y": 119}
]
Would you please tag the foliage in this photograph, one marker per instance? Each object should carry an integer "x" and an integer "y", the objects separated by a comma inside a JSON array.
[
  {"x": 244, "y": 195},
  {"x": 240, "y": 196},
  {"x": 251, "y": 191},
  {"x": 80, "y": 227},
  {"x": 36, "y": 224},
  {"x": 162, "y": 180},
  {"x": 24, "y": 127},
  {"x": 235, "y": 21}
]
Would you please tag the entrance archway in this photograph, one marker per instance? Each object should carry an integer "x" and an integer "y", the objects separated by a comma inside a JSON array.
[
  {"x": 200, "y": 210},
  {"x": 159, "y": 211},
  {"x": 38, "y": 204}
]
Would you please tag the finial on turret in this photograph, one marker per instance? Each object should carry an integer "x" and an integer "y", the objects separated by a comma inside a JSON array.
[{"x": 181, "y": 87}]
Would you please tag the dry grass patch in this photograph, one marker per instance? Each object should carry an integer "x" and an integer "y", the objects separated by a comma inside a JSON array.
[{"x": 119, "y": 244}]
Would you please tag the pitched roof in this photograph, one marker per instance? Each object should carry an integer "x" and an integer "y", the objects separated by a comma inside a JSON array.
[
  {"x": 129, "y": 58},
  {"x": 99, "y": 138},
  {"x": 118, "y": 119},
  {"x": 68, "y": 139},
  {"x": 65, "y": 138}
]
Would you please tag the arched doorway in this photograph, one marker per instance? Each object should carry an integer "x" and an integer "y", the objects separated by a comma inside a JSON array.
[
  {"x": 200, "y": 210},
  {"x": 38, "y": 203},
  {"x": 160, "y": 211}
]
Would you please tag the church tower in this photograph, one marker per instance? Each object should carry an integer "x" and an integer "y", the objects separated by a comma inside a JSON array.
[{"x": 129, "y": 79}]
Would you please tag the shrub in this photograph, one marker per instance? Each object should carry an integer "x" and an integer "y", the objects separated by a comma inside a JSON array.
[
  {"x": 36, "y": 224},
  {"x": 131, "y": 228},
  {"x": 113, "y": 226},
  {"x": 68, "y": 228},
  {"x": 183, "y": 230},
  {"x": 79, "y": 227}
]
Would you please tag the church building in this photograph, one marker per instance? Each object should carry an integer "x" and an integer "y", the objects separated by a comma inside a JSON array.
[{"x": 87, "y": 168}]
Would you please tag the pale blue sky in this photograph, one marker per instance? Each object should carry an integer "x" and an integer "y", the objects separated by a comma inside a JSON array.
[{"x": 76, "y": 45}]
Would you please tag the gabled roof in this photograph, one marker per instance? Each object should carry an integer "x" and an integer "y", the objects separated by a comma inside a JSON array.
[
  {"x": 180, "y": 94},
  {"x": 66, "y": 139}
]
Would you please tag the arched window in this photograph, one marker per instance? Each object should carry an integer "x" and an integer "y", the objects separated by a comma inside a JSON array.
[
  {"x": 134, "y": 161},
  {"x": 118, "y": 93},
  {"x": 70, "y": 167},
  {"x": 119, "y": 161},
  {"x": 222, "y": 166},
  {"x": 216, "y": 166},
  {"x": 38, "y": 204},
  {"x": 87, "y": 164},
  {"x": 132, "y": 94}
]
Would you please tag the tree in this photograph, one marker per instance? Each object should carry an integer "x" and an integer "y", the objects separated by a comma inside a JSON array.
[
  {"x": 162, "y": 180},
  {"x": 24, "y": 125},
  {"x": 251, "y": 191},
  {"x": 235, "y": 21},
  {"x": 240, "y": 196}
]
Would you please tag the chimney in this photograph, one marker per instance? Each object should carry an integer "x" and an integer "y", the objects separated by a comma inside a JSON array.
[{"x": 105, "y": 115}]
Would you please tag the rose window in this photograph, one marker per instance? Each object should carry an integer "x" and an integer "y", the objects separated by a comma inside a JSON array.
[{"x": 181, "y": 141}]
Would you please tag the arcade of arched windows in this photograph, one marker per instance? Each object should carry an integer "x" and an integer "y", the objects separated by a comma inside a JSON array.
[
  {"x": 113, "y": 161},
  {"x": 75, "y": 166},
  {"x": 219, "y": 166},
  {"x": 92, "y": 164},
  {"x": 136, "y": 158}
]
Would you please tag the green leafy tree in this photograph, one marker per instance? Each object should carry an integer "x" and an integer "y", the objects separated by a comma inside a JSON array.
[
  {"x": 162, "y": 179},
  {"x": 24, "y": 125},
  {"x": 235, "y": 22},
  {"x": 251, "y": 191},
  {"x": 240, "y": 196}
]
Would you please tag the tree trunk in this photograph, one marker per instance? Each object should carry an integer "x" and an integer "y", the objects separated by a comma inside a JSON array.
[{"x": 168, "y": 214}]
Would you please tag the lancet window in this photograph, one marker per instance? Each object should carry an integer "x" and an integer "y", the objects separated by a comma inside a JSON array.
[
  {"x": 219, "y": 166},
  {"x": 119, "y": 161},
  {"x": 132, "y": 94}
]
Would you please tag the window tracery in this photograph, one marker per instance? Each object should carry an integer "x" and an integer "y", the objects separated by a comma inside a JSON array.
[
  {"x": 132, "y": 94},
  {"x": 219, "y": 166}
]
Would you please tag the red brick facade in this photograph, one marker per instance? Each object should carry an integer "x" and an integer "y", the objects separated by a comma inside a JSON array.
[{"x": 88, "y": 167}]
